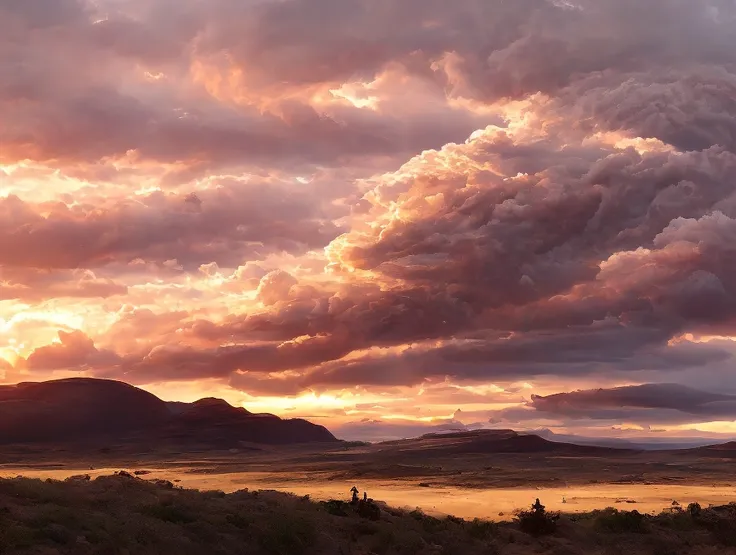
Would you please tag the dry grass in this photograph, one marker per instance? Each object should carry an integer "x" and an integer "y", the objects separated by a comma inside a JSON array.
[{"x": 119, "y": 515}]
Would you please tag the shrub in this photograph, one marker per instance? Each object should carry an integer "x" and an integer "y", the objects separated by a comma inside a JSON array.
[
  {"x": 335, "y": 507},
  {"x": 169, "y": 512},
  {"x": 429, "y": 523},
  {"x": 694, "y": 509},
  {"x": 55, "y": 533},
  {"x": 481, "y": 529},
  {"x": 237, "y": 520},
  {"x": 295, "y": 536},
  {"x": 369, "y": 510},
  {"x": 410, "y": 543},
  {"x": 382, "y": 542},
  {"x": 613, "y": 520},
  {"x": 724, "y": 532},
  {"x": 537, "y": 522}
]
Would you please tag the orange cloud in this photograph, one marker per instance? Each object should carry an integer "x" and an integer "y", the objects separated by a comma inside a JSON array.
[{"x": 336, "y": 206}]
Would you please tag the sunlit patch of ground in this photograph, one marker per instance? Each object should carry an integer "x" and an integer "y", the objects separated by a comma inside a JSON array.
[{"x": 496, "y": 504}]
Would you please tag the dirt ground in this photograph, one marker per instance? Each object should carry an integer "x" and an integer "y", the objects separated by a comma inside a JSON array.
[{"x": 484, "y": 485}]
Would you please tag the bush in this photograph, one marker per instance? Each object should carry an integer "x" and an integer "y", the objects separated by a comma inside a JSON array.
[
  {"x": 481, "y": 529},
  {"x": 369, "y": 510},
  {"x": 295, "y": 536},
  {"x": 429, "y": 523},
  {"x": 694, "y": 509},
  {"x": 537, "y": 523},
  {"x": 237, "y": 520},
  {"x": 169, "y": 512},
  {"x": 56, "y": 533},
  {"x": 612, "y": 520},
  {"x": 335, "y": 507},
  {"x": 724, "y": 532}
]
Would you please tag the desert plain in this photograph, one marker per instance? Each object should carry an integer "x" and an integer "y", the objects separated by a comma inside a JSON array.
[{"x": 486, "y": 475}]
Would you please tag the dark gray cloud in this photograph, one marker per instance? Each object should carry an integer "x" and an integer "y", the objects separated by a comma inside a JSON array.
[
  {"x": 647, "y": 396},
  {"x": 503, "y": 49},
  {"x": 592, "y": 57},
  {"x": 74, "y": 72},
  {"x": 648, "y": 404},
  {"x": 570, "y": 355}
]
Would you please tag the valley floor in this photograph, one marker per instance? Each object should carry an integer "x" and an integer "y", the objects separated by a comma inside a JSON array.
[{"x": 414, "y": 474}]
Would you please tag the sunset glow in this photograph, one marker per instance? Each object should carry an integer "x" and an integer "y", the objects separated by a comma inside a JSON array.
[{"x": 388, "y": 224}]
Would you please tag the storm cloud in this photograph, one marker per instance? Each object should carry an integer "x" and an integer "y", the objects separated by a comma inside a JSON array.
[{"x": 350, "y": 198}]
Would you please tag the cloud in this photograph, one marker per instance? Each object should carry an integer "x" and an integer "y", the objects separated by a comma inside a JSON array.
[
  {"x": 274, "y": 287},
  {"x": 327, "y": 196},
  {"x": 31, "y": 284},
  {"x": 262, "y": 65},
  {"x": 508, "y": 268},
  {"x": 227, "y": 226},
  {"x": 74, "y": 351},
  {"x": 578, "y": 353},
  {"x": 649, "y": 404},
  {"x": 155, "y": 80}
]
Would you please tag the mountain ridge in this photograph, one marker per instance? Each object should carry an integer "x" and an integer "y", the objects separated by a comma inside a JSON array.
[
  {"x": 497, "y": 441},
  {"x": 97, "y": 410}
]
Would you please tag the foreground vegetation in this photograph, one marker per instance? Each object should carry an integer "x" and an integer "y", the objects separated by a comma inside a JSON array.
[{"x": 126, "y": 515}]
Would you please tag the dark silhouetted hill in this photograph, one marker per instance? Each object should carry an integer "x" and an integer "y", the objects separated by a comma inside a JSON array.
[
  {"x": 494, "y": 441},
  {"x": 724, "y": 450},
  {"x": 92, "y": 410},
  {"x": 649, "y": 443}
]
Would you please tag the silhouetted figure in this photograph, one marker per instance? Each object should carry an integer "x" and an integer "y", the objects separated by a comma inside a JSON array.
[
  {"x": 365, "y": 496},
  {"x": 355, "y": 492},
  {"x": 538, "y": 507}
]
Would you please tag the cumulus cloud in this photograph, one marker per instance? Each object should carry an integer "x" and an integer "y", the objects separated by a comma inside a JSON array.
[
  {"x": 274, "y": 287},
  {"x": 332, "y": 195},
  {"x": 157, "y": 82},
  {"x": 74, "y": 351}
]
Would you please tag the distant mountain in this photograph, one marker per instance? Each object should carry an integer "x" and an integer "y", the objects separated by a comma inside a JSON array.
[
  {"x": 493, "y": 441},
  {"x": 649, "y": 444},
  {"x": 92, "y": 410},
  {"x": 614, "y": 443},
  {"x": 724, "y": 450}
]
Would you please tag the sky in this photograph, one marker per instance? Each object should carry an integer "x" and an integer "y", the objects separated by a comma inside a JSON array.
[{"x": 387, "y": 216}]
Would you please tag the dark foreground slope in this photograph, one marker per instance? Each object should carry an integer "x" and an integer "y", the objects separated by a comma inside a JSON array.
[
  {"x": 119, "y": 515},
  {"x": 104, "y": 411}
]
